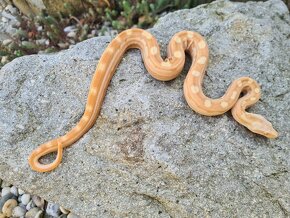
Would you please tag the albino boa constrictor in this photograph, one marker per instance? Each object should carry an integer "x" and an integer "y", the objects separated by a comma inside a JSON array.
[{"x": 164, "y": 70}]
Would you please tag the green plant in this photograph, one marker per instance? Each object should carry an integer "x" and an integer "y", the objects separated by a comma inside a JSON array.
[
  {"x": 141, "y": 13},
  {"x": 45, "y": 32}
]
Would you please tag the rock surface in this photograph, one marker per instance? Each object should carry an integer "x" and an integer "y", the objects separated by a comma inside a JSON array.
[
  {"x": 8, "y": 24},
  {"x": 149, "y": 154}
]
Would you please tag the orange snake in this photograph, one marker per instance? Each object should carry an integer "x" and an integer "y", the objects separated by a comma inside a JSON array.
[{"x": 164, "y": 70}]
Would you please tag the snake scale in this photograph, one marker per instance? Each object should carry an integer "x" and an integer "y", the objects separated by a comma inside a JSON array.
[{"x": 164, "y": 70}]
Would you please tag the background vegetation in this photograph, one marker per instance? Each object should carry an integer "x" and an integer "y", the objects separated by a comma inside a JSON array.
[{"x": 69, "y": 22}]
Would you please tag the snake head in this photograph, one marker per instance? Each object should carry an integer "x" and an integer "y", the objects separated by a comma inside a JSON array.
[{"x": 262, "y": 127}]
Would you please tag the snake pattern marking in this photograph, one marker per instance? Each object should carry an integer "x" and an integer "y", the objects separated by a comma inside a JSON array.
[{"x": 164, "y": 70}]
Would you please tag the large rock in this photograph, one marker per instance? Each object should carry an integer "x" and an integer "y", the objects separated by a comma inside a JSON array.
[{"x": 149, "y": 154}]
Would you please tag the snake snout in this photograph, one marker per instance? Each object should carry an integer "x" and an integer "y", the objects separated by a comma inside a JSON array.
[
  {"x": 265, "y": 128},
  {"x": 272, "y": 135}
]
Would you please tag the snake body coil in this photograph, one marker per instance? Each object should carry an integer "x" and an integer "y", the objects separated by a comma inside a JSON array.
[{"x": 164, "y": 70}]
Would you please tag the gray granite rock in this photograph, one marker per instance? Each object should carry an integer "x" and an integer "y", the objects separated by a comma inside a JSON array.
[
  {"x": 149, "y": 154},
  {"x": 8, "y": 22}
]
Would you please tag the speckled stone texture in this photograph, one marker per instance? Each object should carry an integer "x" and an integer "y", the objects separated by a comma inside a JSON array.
[{"x": 149, "y": 154}]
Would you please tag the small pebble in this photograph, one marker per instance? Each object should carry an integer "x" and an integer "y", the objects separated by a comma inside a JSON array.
[
  {"x": 94, "y": 32},
  {"x": 20, "y": 191},
  {"x": 69, "y": 29},
  {"x": 30, "y": 205},
  {"x": 25, "y": 198},
  {"x": 72, "y": 215},
  {"x": 114, "y": 32},
  {"x": 6, "y": 198},
  {"x": 63, "y": 45},
  {"x": 8, "y": 207},
  {"x": 53, "y": 209},
  {"x": 5, "y": 190},
  {"x": 39, "y": 214},
  {"x": 72, "y": 42},
  {"x": 4, "y": 19},
  {"x": 63, "y": 210},
  {"x": 39, "y": 28},
  {"x": 11, "y": 9},
  {"x": 16, "y": 24},
  {"x": 14, "y": 190},
  {"x": 40, "y": 41},
  {"x": 22, "y": 205},
  {"x": 8, "y": 15},
  {"x": 38, "y": 201},
  {"x": 4, "y": 59},
  {"x": 71, "y": 35},
  {"x": 18, "y": 212},
  {"x": 6, "y": 42},
  {"x": 106, "y": 23},
  {"x": 32, "y": 212}
]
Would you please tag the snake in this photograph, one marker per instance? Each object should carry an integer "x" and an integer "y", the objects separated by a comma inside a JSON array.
[{"x": 241, "y": 93}]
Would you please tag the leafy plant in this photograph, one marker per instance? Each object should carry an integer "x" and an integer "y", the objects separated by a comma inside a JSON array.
[{"x": 45, "y": 32}]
